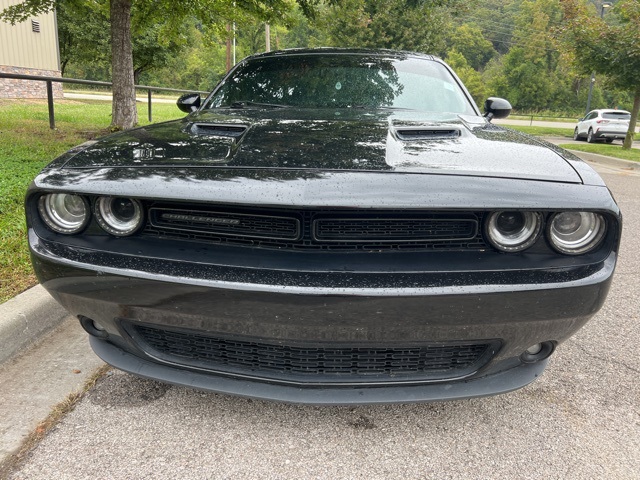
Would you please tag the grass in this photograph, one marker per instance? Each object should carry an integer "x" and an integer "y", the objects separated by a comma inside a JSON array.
[
  {"x": 27, "y": 144},
  {"x": 543, "y": 131},
  {"x": 610, "y": 150}
]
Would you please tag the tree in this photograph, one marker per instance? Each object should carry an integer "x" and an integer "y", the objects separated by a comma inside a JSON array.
[
  {"x": 529, "y": 71},
  {"x": 496, "y": 19},
  {"x": 398, "y": 24},
  {"x": 124, "y": 112},
  {"x": 83, "y": 36},
  {"x": 476, "y": 49},
  {"x": 611, "y": 49}
]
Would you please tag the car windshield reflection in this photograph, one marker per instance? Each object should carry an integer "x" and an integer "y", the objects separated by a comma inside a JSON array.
[{"x": 342, "y": 81}]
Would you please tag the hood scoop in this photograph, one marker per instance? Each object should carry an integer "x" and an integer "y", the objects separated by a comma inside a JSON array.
[
  {"x": 427, "y": 133},
  {"x": 217, "y": 129}
]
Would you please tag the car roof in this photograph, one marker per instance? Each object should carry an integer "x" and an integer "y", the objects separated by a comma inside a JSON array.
[{"x": 399, "y": 54}]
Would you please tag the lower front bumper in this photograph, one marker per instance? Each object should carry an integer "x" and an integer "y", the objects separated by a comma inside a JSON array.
[
  {"x": 502, "y": 382},
  {"x": 513, "y": 315}
]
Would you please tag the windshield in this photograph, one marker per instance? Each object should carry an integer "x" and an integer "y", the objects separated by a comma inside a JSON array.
[{"x": 342, "y": 81}]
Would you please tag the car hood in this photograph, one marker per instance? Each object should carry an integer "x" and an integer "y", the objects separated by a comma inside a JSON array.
[{"x": 330, "y": 141}]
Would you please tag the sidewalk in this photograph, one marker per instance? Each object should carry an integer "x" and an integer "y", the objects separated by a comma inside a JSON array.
[{"x": 34, "y": 382}]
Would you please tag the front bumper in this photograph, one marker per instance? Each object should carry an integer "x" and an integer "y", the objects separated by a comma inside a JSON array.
[{"x": 320, "y": 310}]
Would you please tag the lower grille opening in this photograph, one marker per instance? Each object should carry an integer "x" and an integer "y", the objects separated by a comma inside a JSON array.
[{"x": 317, "y": 363}]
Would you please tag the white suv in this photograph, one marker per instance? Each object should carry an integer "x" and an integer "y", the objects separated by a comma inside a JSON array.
[{"x": 605, "y": 125}]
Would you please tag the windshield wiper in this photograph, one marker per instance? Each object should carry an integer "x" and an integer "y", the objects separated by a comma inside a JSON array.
[{"x": 248, "y": 103}]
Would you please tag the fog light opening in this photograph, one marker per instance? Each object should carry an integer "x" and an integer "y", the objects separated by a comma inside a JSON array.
[
  {"x": 93, "y": 327},
  {"x": 532, "y": 350},
  {"x": 537, "y": 352}
]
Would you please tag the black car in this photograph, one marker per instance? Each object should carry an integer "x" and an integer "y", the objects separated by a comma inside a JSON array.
[{"x": 328, "y": 227}]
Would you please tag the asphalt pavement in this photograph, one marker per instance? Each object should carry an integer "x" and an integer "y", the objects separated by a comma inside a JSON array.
[{"x": 580, "y": 420}]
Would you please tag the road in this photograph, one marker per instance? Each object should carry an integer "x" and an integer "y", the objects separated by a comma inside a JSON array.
[{"x": 580, "y": 420}]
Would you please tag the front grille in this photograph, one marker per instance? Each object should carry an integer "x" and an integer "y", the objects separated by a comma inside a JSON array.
[
  {"x": 227, "y": 224},
  {"x": 329, "y": 363},
  {"x": 317, "y": 229},
  {"x": 393, "y": 229}
]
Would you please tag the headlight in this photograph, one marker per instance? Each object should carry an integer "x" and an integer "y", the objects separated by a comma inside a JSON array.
[
  {"x": 513, "y": 231},
  {"x": 64, "y": 212},
  {"x": 576, "y": 232},
  {"x": 119, "y": 216}
]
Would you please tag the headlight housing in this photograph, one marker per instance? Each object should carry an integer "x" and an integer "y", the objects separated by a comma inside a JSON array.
[
  {"x": 64, "y": 212},
  {"x": 512, "y": 230},
  {"x": 119, "y": 216},
  {"x": 573, "y": 233}
]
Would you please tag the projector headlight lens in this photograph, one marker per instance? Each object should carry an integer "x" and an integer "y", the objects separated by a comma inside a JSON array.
[
  {"x": 64, "y": 212},
  {"x": 574, "y": 233},
  {"x": 119, "y": 216},
  {"x": 512, "y": 230}
]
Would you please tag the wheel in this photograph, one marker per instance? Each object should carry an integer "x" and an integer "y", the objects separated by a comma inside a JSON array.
[
  {"x": 609, "y": 140},
  {"x": 575, "y": 134},
  {"x": 591, "y": 137}
]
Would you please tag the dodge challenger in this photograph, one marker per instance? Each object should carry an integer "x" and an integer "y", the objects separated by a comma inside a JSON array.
[{"x": 328, "y": 227}]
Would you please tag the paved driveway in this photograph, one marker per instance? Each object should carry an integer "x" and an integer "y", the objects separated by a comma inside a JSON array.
[{"x": 580, "y": 420}]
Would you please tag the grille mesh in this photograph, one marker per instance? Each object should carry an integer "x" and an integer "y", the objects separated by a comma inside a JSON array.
[
  {"x": 390, "y": 229},
  {"x": 318, "y": 230},
  {"x": 427, "y": 362},
  {"x": 226, "y": 223}
]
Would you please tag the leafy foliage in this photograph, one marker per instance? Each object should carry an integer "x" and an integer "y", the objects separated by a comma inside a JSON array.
[
  {"x": 469, "y": 41},
  {"x": 391, "y": 24},
  {"x": 612, "y": 49},
  {"x": 507, "y": 48},
  {"x": 608, "y": 48}
]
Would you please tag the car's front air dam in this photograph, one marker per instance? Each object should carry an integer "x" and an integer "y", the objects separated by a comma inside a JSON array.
[{"x": 502, "y": 381}]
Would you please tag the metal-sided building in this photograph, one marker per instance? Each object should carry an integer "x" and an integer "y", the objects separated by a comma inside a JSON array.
[{"x": 29, "y": 48}]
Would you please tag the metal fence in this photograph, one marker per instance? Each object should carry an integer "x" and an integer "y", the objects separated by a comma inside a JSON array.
[{"x": 49, "y": 81}]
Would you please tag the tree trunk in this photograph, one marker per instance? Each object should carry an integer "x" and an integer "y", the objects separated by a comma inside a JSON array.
[
  {"x": 628, "y": 140},
  {"x": 63, "y": 65},
  {"x": 124, "y": 114}
]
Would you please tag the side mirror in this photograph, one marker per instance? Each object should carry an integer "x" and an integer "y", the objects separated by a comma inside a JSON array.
[
  {"x": 189, "y": 102},
  {"x": 496, "y": 108}
]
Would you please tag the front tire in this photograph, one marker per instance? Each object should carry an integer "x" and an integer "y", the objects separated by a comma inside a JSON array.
[{"x": 590, "y": 137}]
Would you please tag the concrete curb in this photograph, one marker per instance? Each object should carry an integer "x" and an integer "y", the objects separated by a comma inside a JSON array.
[
  {"x": 26, "y": 318},
  {"x": 604, "y": 160}
]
